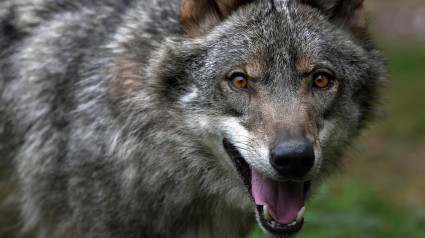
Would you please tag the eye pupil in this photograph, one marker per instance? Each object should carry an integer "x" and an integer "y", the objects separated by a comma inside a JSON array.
[
  {"x": 321, "y": 81},
  {"x": 239, "y": 82}
]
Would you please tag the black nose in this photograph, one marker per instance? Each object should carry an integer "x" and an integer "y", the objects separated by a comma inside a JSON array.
[{"x": 292, "y": 158}]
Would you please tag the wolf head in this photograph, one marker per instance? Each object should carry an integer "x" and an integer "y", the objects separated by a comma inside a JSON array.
[{"x": 277, "y": 89}]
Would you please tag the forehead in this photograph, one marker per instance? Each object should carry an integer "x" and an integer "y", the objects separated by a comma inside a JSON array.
[
  {"x": 296, "y": 27},
  {"x": 294, "y": 37},
  {"x": 276, "y": 31}
]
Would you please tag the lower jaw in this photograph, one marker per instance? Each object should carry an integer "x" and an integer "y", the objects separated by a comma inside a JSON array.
[{"x": 275, "y": 228}]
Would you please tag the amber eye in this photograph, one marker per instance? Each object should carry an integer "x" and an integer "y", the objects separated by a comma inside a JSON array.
[
  {"x": 239, "y": 81},
  {"x": 322, "y": 81}
]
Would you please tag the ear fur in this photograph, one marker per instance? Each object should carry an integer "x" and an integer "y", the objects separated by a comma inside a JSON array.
[
  {"x": 198, "y": 16},
  {"x": 348, "y": 13}
]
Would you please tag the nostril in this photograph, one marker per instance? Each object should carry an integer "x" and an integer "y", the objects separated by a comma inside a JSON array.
[
  {"x": 308, "y": 158},
  {"x": 292, "y": 158},
  {"x": 281, "y": 160}
]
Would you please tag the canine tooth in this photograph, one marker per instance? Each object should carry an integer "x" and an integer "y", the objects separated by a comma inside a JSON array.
[
  {"x": 293, "y": 223},
  {"x": 300, "y": 214},
  {"x": 267, "y": 214}
]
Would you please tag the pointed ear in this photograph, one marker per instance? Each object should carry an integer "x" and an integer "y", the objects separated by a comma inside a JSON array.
[
  {"x": 198, "y": 16},
  {"x": 348, "y": 13}
]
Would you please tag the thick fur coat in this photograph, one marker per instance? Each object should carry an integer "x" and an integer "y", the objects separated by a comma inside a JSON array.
[{"x": 122, "y": 118}]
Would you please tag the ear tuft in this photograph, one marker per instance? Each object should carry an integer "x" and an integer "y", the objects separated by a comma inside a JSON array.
[
  {"x": 347, "y": 13},
  {"x": 198, "y": 16}
]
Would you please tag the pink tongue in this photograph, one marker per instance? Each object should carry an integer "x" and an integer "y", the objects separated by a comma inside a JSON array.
[{"x": 283, "y": 199}]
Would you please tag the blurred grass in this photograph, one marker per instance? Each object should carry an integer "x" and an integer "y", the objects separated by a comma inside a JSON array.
[
  {"x": 405, "y": 105},
  {"x": 382, "y": 192}
]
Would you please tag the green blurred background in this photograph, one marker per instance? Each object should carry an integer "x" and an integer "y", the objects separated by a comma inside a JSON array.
[{"x": 381, "y": 190}]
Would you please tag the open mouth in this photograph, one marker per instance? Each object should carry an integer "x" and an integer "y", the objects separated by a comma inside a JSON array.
[{"x": 280, "y": 205}]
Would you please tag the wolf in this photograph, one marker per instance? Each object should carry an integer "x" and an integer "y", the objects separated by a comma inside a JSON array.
[{"x": 170, "y": 118}]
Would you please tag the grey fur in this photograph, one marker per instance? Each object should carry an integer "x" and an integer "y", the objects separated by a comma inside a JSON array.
[{"x": 111, "y": 117}]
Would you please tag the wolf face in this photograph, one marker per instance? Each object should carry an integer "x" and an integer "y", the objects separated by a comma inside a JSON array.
[
  {"x": 180, "y": 119},
  {"x": 280, "y": 88}
]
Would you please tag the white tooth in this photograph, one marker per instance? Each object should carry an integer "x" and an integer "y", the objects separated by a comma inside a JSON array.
[
  {"x": 300, "y": 214},
  {"x": 293, "y": 223},
  {"x": 266, "y": 213}
]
